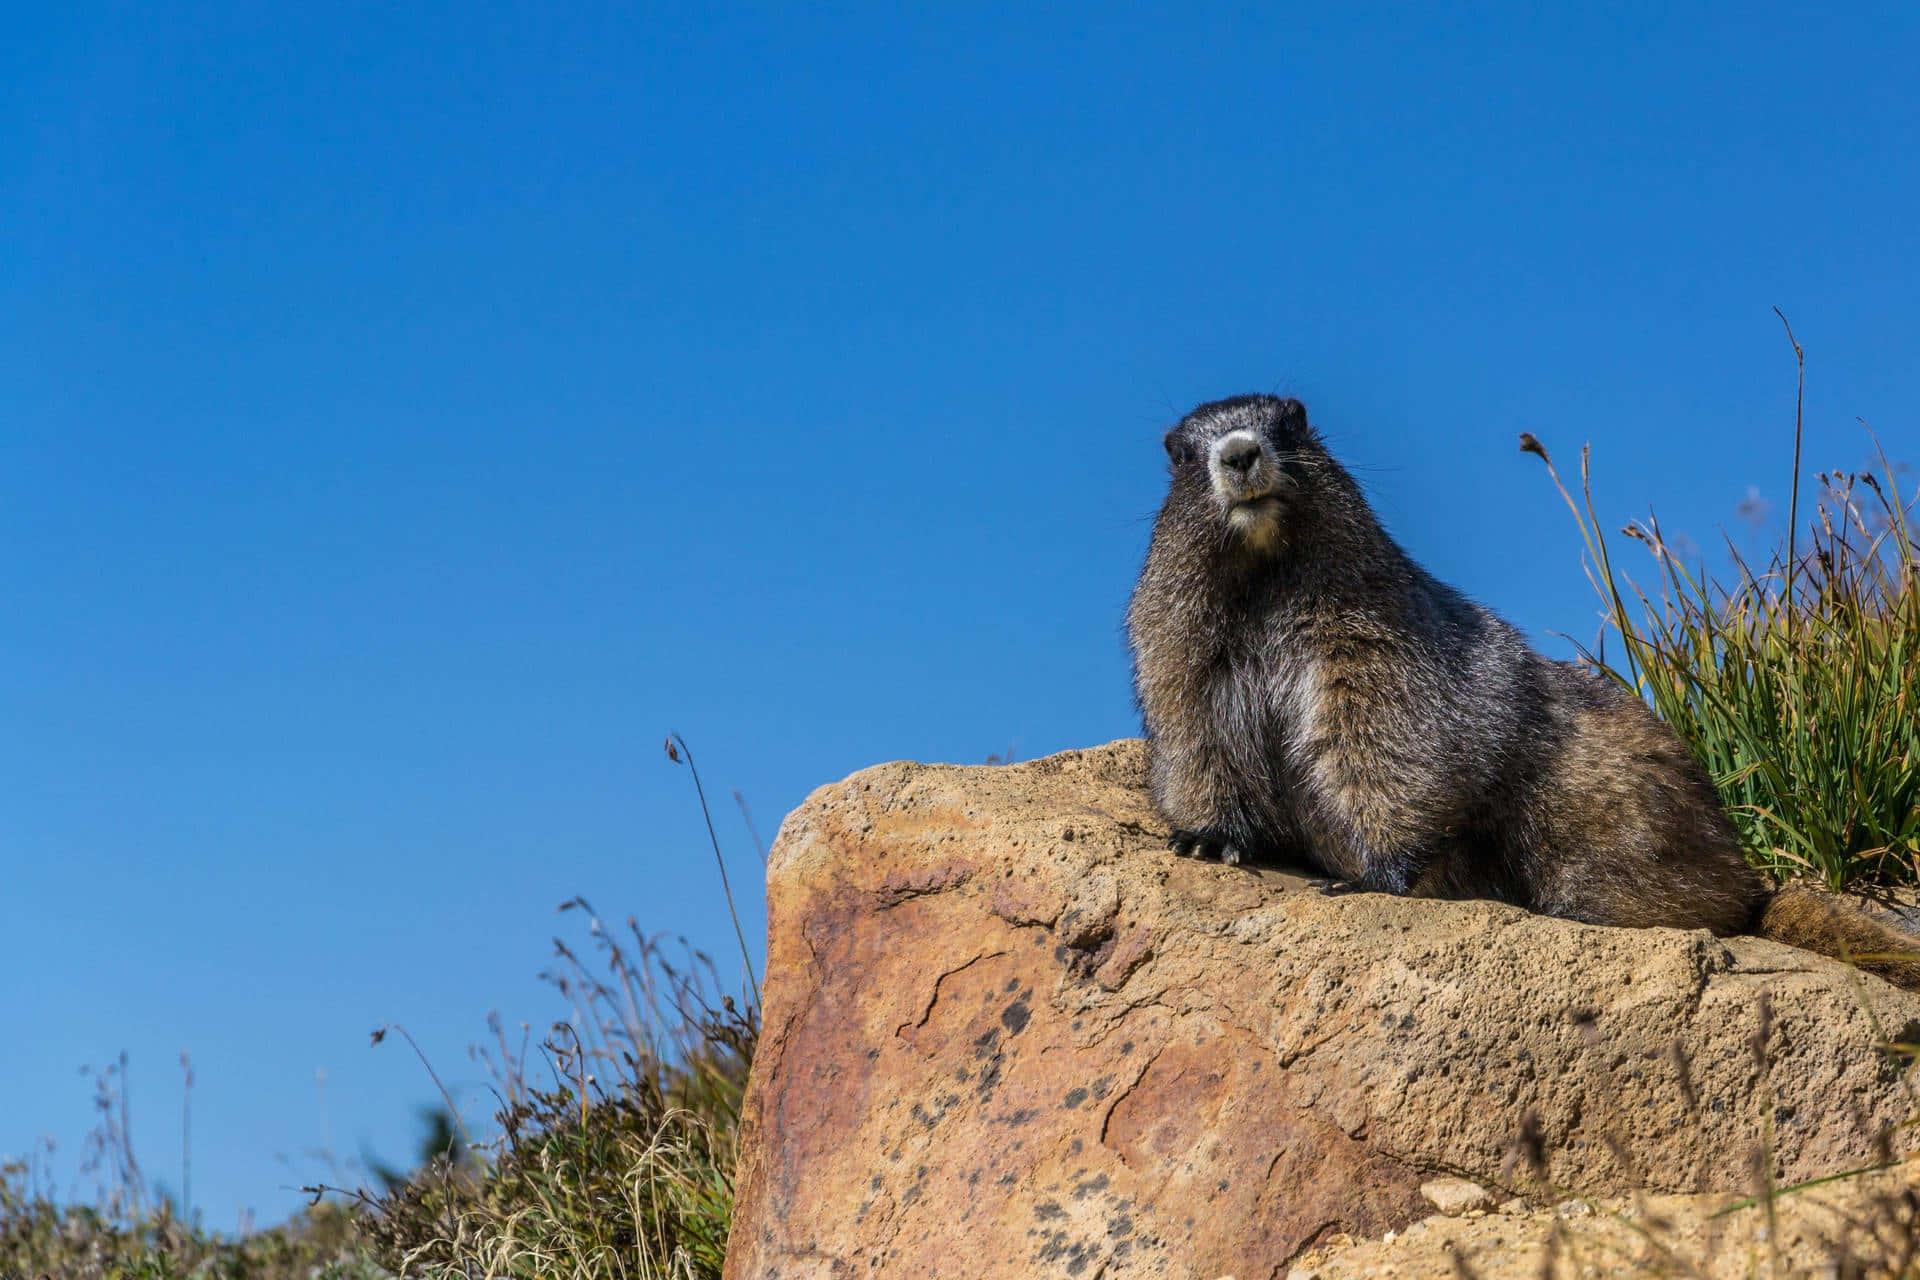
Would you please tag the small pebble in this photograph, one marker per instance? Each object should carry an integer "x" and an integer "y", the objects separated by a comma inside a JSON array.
[{"x": 1455, "y": 1196}]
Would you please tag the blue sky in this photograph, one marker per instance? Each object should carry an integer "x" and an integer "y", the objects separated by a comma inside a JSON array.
[{"x": 409, "y": 413}]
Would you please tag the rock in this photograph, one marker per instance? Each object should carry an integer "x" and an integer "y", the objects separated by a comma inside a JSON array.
[
  {"x": 993, "y": 1050},
  {"x": 1455, "y": 1196},
  {"x": 1861, "y": 1227}
]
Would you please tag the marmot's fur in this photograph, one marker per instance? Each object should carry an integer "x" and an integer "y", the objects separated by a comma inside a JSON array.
[{"x": 1310, "y": 692}]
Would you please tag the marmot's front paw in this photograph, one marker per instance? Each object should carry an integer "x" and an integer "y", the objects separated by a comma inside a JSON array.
[
  {"x": 1335, "y": 888},
  {"x": 1208, "y": 846}
]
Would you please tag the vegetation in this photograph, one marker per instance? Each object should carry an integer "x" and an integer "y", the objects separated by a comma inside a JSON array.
[
  {"x": 618, "y": 1162},
  {"x": 131, "y": 1232},
  {"x": 614, "y": 1158},
  {"x": 1796, "y": 683},
  {"x": 616, "y": 1154},
  {"x": 39, "y": 1237}
]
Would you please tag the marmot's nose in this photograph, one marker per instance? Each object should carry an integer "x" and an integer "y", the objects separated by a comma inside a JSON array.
[{"x": 1239, "y": 455}]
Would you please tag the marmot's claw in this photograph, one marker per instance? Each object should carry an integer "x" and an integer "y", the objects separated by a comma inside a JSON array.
[
  {"x": 1204, "y": 845},
  {"x": 1334, "y": 888}
]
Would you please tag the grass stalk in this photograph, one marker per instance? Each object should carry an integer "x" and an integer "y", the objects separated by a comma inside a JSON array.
[{"x": 676, "y": 748}]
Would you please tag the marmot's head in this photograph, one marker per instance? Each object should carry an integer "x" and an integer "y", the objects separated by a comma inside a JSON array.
[{"x": 1243, "y": 458}]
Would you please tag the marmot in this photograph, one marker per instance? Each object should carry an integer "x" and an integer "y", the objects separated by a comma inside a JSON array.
[{"x": 1311, "y": 692}]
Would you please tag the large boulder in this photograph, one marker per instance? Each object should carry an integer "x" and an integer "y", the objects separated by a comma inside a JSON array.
[{"x": 1008, "y": 1034}]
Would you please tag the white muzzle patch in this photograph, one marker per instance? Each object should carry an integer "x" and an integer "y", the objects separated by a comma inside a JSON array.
[{"x": 1246, "y": 477}]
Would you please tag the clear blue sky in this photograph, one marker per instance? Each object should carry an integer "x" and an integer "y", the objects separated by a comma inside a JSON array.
[{"x": 408, "y": 413}]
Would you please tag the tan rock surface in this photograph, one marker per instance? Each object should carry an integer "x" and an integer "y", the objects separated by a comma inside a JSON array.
[
  {"x": 1008, "y": 1034},
  {"x": 1860, "y": 1227}
]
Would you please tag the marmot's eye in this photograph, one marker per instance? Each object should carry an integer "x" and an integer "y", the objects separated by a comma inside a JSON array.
[{"x": 1178, "y": 449}]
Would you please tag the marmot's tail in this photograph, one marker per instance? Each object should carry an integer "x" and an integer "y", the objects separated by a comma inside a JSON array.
[{"x": 1815, "y": 920}]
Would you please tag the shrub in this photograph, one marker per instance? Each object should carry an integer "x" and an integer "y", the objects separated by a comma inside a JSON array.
[{"x": 1797, "y": 684}]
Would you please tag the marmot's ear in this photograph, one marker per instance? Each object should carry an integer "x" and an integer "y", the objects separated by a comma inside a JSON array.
[{"x": 1293, "y": 417}]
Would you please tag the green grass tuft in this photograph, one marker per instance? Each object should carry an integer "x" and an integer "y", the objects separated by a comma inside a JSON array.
[{"x": 1797, "y": 683}]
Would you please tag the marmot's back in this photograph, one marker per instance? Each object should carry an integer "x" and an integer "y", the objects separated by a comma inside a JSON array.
[{"x": 1626, "y": 827}]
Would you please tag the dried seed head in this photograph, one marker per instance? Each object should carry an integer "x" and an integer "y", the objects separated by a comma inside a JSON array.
[{"x": 1531, "y": 444}]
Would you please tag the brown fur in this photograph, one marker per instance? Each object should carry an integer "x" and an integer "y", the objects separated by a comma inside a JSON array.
[{"x": 1814, "y": 920}]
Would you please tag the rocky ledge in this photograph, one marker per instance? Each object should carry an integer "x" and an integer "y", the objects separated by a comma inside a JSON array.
[{"x": 1008, "y": 1034}]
